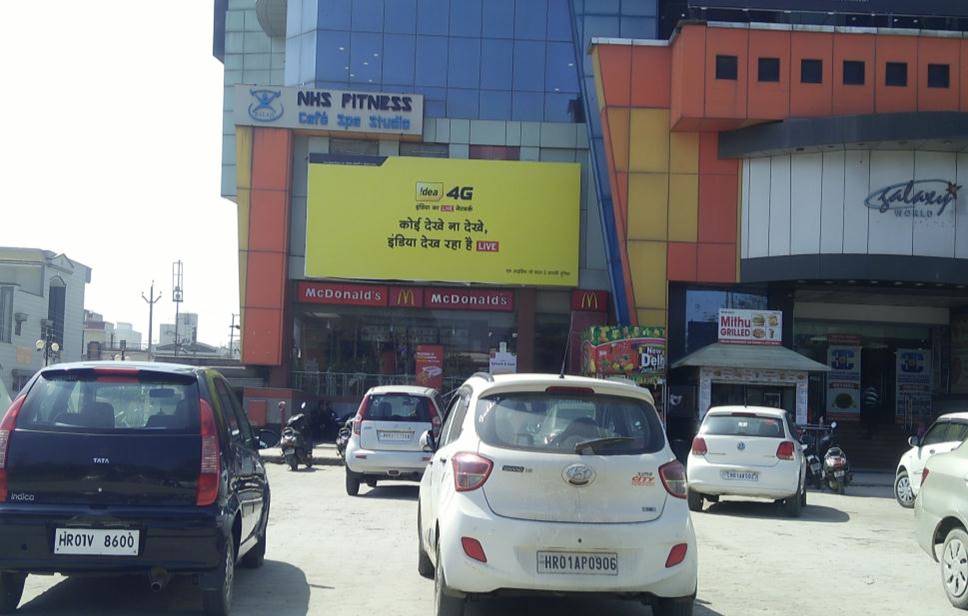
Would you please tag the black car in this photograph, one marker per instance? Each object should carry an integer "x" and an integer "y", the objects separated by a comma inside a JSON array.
[{"x": 118, "y": 468}]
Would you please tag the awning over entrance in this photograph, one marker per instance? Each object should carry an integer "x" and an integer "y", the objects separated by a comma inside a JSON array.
[{"x": 762, "y": 357}]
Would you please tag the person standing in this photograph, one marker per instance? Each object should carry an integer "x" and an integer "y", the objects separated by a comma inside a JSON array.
[{"x": 869, "y": 408}]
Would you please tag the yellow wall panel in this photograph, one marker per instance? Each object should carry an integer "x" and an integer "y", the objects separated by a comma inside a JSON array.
[
  {"x": 618, "y": 135},
  {"x": 243, "y": 269},
  {"x": 599, "y": 92},
  {"x": 242, "y": 201},
  {"x": 243, "y": 156},
  {"x": 647, "y": 262},
  {"x": 649, "y": 135},
  {"x": 648, "y": 206},
  {"x": 650, "y": 317},
  {"x": 683, "y": 207},
  {"x": 684, "y": 152}
]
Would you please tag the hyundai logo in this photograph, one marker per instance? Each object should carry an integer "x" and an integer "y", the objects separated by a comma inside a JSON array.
[
  {"x": 579, "y": 474},
  {"x": 741, "y": 446}
]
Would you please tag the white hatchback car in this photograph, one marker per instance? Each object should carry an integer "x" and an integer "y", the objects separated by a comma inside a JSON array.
[
  {"x": 385, "y": 442},
  {"x": 747, "y": 451},
  {"x": 558, "y": 485},
  {"x": 944, "y": 435}
]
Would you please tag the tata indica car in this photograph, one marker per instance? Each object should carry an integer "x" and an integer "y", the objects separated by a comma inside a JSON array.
[
  {"x": 385, "y": 442},
  {"x": 747, "y": 451},
  {"x": 948, "y": 432},
  {"x": 541, "y": 484},
  {"x": 941, "y": 522}
]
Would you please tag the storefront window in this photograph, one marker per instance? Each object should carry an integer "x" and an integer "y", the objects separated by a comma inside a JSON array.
[
  {"x": 550, "y": 339},
  {"x": 702, "y": 313}
]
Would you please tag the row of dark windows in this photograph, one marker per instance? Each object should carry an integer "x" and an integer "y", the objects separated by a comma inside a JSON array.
[{"x": 811, "y": 71}]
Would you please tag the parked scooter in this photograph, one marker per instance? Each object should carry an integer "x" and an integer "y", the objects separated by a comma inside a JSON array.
[
  {"x": 296, "y": 446},
  {"x": 836, "y": 468}
]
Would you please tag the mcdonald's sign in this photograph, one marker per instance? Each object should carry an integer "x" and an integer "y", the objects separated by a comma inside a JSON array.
[
  {"x": 589, "y": 301},
  {"x": 406, "y": 297}
]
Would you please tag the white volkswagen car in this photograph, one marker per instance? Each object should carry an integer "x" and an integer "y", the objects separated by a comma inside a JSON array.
[
  {"x": 558, "y": 485},
  {"x": 747, "y": 451},
  {"x": 944, "y": 435},
  {"x": 385, "y": 442}
]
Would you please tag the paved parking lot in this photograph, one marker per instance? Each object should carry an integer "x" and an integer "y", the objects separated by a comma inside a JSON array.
[{"x": 329, "y": 553}]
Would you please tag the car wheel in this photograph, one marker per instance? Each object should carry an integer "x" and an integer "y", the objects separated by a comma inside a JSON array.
[
  {"x": 677, "y": 606},
  {"x": 352, "y": 483},
  {"x": 954, "y": 568},
  {"x": 695, "y": 501},
  {"x": 424, "y": 567},
  {"x": 219, "y": 602},
  {"x": 371, "y": 483},
  {"x": 255, "y": 557},
  {"x": 842, "y": 489},
  {"x": 11, "y": 591},
  {"x": 803, "y": 497},
  {"x": 793, "y": 505},
  {"x": 903, "y": 491},
  {"x": 444, "y": 604}
]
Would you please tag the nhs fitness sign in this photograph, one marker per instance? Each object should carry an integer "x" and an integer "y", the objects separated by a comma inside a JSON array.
[{"x": 329, "y": 110}]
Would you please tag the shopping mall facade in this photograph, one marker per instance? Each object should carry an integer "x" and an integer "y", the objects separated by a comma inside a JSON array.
[{"x": 436, "y": 187}]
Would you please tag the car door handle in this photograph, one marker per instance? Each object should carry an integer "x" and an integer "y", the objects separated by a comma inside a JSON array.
[{"x": 931, "y": 451}]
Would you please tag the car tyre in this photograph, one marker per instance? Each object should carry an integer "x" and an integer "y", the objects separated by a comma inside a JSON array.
[
  {"x": 793, "y": 506},
  {"x": 695, "y": 501},
  {"x": 954, "y": 567},
  {"x": 256, "y": 557},
  {"x": 676, "y": 606},
  {"x": 352, "y": 483},
  {"x": 444, "y": 604},
  {"x": 371, "y": 483},
  {"x": 424, "y": 567},
  {"x": 219, "y": 602},
  {"x": 11, "y": 591},
  {"x": 903, "y": 492}
]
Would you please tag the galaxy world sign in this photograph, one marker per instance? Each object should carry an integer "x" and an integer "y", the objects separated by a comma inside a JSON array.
[{"x": 915, "y": 198}]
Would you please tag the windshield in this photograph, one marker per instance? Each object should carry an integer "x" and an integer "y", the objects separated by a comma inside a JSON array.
[
  {"x": 743, "y": 425},
  {"x": 110, "y": 403},
  {"x": 398, "y": 407},
  {"x": 539, "y": 421}
]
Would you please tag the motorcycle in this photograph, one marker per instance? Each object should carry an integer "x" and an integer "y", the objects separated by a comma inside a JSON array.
[
  {"x": 343, "y": 438},
  {"x": 835, "y": 473},
  {"x": 296, "y": 447}
]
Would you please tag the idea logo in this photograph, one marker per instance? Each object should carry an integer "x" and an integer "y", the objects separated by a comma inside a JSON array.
[{"x": 429, "y": 191}]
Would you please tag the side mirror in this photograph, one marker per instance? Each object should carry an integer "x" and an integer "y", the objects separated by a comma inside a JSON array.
[
  {"x": 265, "y": 439},
  {"x": 427, "y": 442},
  {"x": 833, "y": 426},
  {"x": 914, "y": 441}
]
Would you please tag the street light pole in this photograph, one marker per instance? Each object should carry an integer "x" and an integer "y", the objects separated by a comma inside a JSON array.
[{"x": 151, "y": 311}]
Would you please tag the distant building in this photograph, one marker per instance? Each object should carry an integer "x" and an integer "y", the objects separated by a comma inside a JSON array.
[
  {"x": 104, "y": 340},
  {"x": 127, "y": 333},
  {"x": 40, "y": 292},
  {"x": 187, "y": 330}
]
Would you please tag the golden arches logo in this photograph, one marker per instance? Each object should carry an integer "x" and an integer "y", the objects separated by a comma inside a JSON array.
[
  {"x": 589, "y": 301},
  {"x": 406, "y": 297}
]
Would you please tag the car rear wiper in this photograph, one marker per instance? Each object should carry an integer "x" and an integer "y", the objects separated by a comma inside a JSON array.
[{"x": 591, "y": 446}]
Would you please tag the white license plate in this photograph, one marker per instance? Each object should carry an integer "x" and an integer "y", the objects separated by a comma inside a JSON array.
[
  {"x": 96, "y": 542},
  {"x": 578, "y": 563},
  {"x": 740, "y": 475},
  {"x": 838, "y": 473},
  {"x": 387, "y": 435}
]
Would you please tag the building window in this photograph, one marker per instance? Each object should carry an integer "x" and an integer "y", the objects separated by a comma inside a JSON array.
[
  {"x": 354, "y": 147},
  {"x": 6, "y": 313},
  {"x": 939, "y": 76},
  {"x": 495, "y": 152},
  {"x": 56, "y": 307},
  {"x": 896, "y": 74},
  {"x": 424, "y": 150},
  {"x": 727, "y": 67},
  {"x": 811, "y": 71},
  {"x": 769, "y": 69},
  {"x": 853, "y": 73}
]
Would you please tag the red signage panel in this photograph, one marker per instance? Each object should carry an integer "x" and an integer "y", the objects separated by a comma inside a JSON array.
[
  {"x": 342, "y": 294},
  {"x": 469, "y": 299},
  {"x": 429, "y": 364},
  {"x": 589, "y": 301},
  {"x": 406, "y": 297}
]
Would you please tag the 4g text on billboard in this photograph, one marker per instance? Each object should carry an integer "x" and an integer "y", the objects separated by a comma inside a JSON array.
[{"x": 423, "y": 219}]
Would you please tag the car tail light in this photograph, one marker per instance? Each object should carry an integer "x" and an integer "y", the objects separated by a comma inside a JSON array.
[
  {"x": 470, "y": 471},
  {"x": 785, "y": 450},
  {"x": 673, "y": 477},
  {"x": 569, "y": 391},
  {"x": 7, "y": 426},
  {"x": 677, "y": 554},
  {"x": 473, "y": 548},
  {"x": 210, "y": 469},
  {"x": 361, "y": 415},
  {"x": 924, "y": 476},
  {"x": 699, "y": 446}
]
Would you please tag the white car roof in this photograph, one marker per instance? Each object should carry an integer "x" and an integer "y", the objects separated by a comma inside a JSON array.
[
  {"x": 411, "y": 390},
  {"x": 962, "y": 416},
  {"x": 485, "y": 383},
  {"x": 765, "y": 411}
]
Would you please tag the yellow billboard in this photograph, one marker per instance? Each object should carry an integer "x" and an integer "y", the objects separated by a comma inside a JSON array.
[{"x": 444, "y": 220}]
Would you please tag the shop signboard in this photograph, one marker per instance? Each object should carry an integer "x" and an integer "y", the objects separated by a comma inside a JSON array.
[
  {"x": 446, "y": 220},
  {"x": 329, "y": 110},
  {"x": 913, "y": 382},
  {"x": 583, "y": 300},
  {"x": 936, "y": 8},
  {"x": 750, "y": 326},
  {"x": 959, "y": 354},
  {"x": 637, "y": 353},
  {"x": 342, "y": 294},
  {"x": 469, "y": 299},
  {"x": 436, "y": 298},
  {"x": 429, "y": 364},
  {"x": 843, "y": 381}
]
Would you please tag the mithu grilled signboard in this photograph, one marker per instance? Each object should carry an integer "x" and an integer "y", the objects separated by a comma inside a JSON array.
[{"x": 750, "y": 326}]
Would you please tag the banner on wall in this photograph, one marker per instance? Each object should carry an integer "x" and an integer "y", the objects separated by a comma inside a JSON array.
[
  {"x": 750, "y": 326},
  {"x": 913, "y": 382},
  {"x": 959, "y": 354},
  {"x": 843, "y": 380},
  {"x": 429, "y": 362},
  {"x": 447, "y": 220},
  {"x": 637, "y": 353}
]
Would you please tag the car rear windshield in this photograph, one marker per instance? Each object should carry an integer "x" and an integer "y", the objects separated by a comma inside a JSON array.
[
  {"x": 111, "y": 403},
  {"x": 557, "y": 423},
  {"x": 398, "y": 407},
  {"x": 743, "y": 425}
]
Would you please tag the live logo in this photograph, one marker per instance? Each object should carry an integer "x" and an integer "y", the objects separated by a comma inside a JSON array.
[{"x": 488, "y": 246}]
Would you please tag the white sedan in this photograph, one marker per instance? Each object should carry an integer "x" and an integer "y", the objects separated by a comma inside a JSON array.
[
  {"x": 944, "y": 435},
  {"x": 747, "y": 451},
  {"x": 557, "y": 485}
]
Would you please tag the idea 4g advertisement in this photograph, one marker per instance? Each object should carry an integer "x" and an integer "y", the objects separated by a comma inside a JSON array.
[
  {"x": 843, "y": 380},
  {"x": 447, "y": 220}
]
